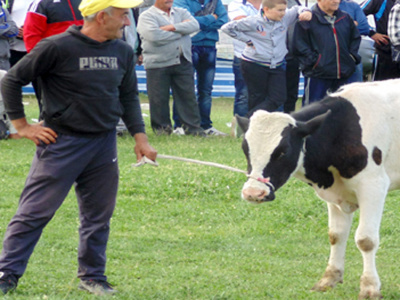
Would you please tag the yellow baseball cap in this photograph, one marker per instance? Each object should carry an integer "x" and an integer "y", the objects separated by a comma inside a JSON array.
[{"x": 89, "y": 7}]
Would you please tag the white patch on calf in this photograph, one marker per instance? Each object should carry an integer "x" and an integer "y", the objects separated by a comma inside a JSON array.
[
  {"x": 263, "y": 136},
  {"x": 380, "y": 125}
]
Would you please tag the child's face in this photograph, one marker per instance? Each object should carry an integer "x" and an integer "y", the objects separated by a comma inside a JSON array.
[{"x": 276, "y": 13}]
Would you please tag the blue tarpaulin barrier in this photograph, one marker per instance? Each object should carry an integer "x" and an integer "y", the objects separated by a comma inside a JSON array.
[{"x": 224, "y": 84}]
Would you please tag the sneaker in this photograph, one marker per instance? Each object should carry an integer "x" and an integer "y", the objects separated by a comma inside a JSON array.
[
  {"x": 213, "y": 131},
  {"x": 179, "y": 131},
  {"x": 97, "y": 287},
  {"x": 8, "y": 283}
]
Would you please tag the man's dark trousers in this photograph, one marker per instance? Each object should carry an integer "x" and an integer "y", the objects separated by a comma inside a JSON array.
[{"x": 90, "y": 164}]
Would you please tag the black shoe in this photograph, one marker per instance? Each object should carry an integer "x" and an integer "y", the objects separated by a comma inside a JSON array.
[
  {"x": 97, "y": 287},
  {"x": 163, "y": 130},
  {"x": 199, "y": 134},
  {"x": 8, "y": 283}
]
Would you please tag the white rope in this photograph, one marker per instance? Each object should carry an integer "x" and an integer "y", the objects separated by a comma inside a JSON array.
[
  {"x": 146, "y": 160},
  {"x": 200, "y": 162}
]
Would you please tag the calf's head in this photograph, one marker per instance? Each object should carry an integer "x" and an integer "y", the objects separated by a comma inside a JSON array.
[{"x": 272, "y": 144}]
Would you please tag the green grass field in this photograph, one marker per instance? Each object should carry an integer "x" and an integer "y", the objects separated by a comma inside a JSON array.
[{"x": 181, "y": 231}]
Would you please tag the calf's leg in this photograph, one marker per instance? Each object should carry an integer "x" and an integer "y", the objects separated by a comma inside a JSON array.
[
  {"x": 367, "y": 236},
  {"x": 339, "y": 229}
]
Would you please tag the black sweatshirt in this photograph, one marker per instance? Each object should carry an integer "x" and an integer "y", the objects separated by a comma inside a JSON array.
[{"x": 87, "y": 85}]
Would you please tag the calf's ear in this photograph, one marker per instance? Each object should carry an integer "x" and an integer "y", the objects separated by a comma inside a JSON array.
[
  {"x": 242, "y": 122},
  {"x": 309, "y": 127}
]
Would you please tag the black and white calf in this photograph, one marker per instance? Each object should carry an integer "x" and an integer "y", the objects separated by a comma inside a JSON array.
[{"x": 347, "y": 147}]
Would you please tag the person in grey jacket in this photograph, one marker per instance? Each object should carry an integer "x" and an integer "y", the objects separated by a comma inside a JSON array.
[
  {"x": 8, "y": 31},
  {"x": 167, "y": 57}
]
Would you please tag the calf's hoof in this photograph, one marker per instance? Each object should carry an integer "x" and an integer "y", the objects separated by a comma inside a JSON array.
[
  {"x": 372, "y": 295},
  {"x": 369, "y": 288},
  {"x": 329, "y": 280}
]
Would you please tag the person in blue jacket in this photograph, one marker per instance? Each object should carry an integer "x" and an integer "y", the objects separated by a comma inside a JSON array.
[
  {"x": 361, "y": 21},
  {"x": 211, "y": 15},
  {"x": 327, "y": 49}
]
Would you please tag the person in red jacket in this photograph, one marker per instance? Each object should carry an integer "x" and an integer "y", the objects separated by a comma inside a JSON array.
[{"x": 46, "y": 18}]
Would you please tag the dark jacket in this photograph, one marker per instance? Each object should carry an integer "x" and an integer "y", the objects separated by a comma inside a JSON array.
[
  {"x": 326, "y": 50},
  {"x": 381, "y": 10}
]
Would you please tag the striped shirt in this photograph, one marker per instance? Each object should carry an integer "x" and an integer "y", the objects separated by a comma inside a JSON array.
[{"x": 394, "y": 24}]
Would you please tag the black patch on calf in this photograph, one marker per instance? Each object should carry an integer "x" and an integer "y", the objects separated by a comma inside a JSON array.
[
  {"x": 336, "y": 143},
  {"x": 242, "y": 122},
  {"x": 284, "y": 158},
  {"x": 377, "y": 155},
  {"x": 245, "y": 148}
]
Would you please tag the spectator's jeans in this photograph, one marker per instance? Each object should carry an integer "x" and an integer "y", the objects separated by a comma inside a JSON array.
[
  {"x": 357, "y": 75},
  {"x": 241, "y": 104},
  {"x": 204, "y": 60},
  {"x": 315, "y": 89},
  {"x": 267, "y": 87}
]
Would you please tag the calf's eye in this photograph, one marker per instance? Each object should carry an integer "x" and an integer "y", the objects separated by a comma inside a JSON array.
[{"x": 281, "y": 155}]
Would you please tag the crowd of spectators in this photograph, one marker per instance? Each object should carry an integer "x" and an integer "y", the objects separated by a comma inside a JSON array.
[{"x": 176, "y": 54}]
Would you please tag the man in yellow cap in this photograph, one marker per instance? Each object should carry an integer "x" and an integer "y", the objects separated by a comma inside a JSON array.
[
  {"x": 89, "y": 82},
  {"x": 90, "y": 7}
]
